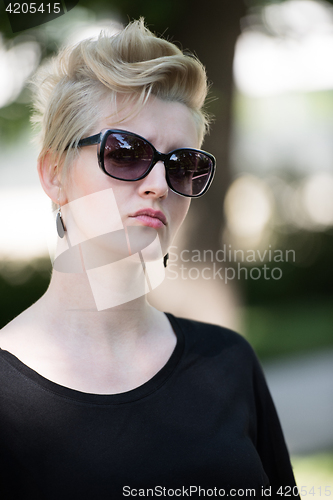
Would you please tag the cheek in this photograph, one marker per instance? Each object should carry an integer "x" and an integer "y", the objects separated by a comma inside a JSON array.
[
  {"x": 179, "y": 211},
  {"x": 91, "y": 205},
  {"x": 85, "y": 179},
  {"x": 91, "y": 216}
]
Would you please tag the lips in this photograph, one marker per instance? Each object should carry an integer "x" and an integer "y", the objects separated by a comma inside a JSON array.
[{"x": 151, "y": 218}]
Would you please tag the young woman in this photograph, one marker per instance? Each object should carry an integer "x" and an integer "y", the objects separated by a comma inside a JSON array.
[{"x": 101, "y": 395}]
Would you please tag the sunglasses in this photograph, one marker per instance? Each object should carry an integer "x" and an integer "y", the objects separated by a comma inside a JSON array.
[{"x": 129, "y": 157}]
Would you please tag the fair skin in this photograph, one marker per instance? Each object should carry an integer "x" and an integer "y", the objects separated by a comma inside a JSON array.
[{"x": 63, "y": 336}]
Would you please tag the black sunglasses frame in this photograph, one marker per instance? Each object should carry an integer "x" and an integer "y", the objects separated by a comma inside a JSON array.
[{"x": 101, "y": 138}]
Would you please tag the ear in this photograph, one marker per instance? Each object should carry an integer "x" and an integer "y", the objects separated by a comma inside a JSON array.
[{"x": 50, "y": 178}]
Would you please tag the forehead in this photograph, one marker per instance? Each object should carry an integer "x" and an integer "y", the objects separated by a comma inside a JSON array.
[{"x": 167, "y": 124}]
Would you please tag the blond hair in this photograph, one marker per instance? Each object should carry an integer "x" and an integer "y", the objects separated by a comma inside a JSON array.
[{"x": 134, "y": 63}]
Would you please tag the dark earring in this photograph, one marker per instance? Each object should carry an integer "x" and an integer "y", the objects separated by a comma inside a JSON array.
[
  {"x": 60, "y": 224},
  {"x": 165, "y": 260}
]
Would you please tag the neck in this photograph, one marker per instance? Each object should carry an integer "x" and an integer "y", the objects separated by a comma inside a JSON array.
[
  {"x": 98, "y": 285},
  {"x": 112, "y": 299}
]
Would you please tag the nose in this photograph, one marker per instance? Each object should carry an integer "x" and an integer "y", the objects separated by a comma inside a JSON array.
[{"x": 155, "y": 184}]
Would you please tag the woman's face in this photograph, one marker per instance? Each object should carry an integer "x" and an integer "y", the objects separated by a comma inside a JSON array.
[{"x": 167, "y": 125}]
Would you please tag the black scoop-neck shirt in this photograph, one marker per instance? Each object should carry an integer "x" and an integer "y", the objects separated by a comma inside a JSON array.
[{"x": 205, "y": 423}]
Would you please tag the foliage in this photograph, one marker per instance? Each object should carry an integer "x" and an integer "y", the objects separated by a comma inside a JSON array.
[
  {"x": 289, "y": 327},
  {"x": 21, "y": 284},
  {"x": 294, "y": 313}
]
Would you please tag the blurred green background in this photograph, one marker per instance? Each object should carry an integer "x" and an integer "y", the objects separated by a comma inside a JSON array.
[{"x": 272, "y": 97}]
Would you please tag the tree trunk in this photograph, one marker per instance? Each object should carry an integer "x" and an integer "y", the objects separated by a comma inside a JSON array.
[{"x": 210, "y": 30}]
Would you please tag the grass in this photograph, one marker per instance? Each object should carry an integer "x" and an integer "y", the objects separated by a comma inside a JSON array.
[{"x": 314, "y": 475}]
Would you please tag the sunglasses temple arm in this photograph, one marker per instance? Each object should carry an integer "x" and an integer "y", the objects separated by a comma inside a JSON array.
[{"x": 90, "y": 141}]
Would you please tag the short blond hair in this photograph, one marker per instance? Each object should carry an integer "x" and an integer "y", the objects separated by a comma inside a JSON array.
[{"x": 134, "y": 64}]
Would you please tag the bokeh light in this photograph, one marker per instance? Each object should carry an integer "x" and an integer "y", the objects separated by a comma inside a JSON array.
[
  {"x": 317, "y": 197},
  {"x": 248, "y": 209},
  {"x": 294, "y": 53},
  {"x": 17, "y": 63}
]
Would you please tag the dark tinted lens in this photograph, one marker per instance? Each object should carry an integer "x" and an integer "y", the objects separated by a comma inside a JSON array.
[
  {"x": 189, "y": 171},
  {"x": 126, "y": 156}
]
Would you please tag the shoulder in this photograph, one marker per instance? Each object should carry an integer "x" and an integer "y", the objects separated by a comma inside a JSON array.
[
  {"x": 212, "y": 339},
  {"x": 17, "y": 335},
  {"x": 220, "y": 356}
]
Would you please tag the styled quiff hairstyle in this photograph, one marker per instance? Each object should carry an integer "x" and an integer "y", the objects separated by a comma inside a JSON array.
[{"x": 133, "y": 64}]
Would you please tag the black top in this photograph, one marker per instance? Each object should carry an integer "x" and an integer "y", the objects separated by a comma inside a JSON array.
[{"x": 206, "y": 419}]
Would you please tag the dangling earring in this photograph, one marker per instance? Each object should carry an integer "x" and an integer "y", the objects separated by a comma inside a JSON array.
[
  {"x": 59, "y": 222},
  {"x": 165, "y": 260}
]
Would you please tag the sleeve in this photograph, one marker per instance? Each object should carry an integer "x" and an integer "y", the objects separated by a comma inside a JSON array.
[{"x": 271, "y": 444}]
